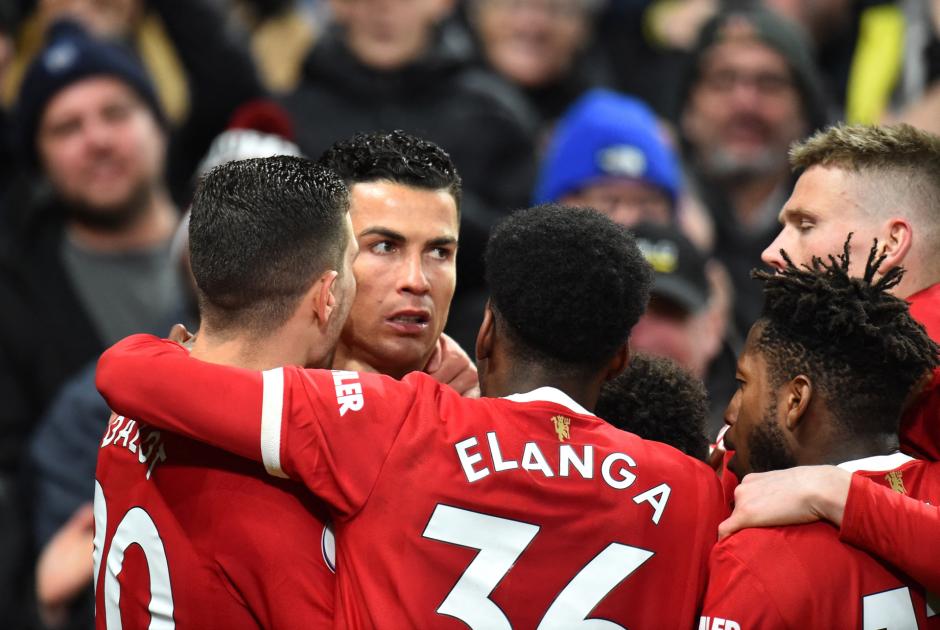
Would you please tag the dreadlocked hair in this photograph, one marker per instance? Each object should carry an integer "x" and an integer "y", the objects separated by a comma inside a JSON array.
[{"x": 857, "y": 342}]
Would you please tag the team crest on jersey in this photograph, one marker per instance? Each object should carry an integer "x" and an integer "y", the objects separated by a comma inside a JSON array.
[
  {"x": 562, "y": 427},
  {"x": 896, "y": 481}
]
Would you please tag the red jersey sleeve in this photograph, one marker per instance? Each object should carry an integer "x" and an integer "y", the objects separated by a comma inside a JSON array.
[
  {"x": 920, "y": 425},
  {"x": 898, "y": 528},
  {"x": 331, "y": 430},
  {"x": 736, "y": 598}
]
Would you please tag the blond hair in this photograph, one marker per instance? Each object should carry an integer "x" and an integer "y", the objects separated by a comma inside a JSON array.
[{"x": 897, "y": 165}]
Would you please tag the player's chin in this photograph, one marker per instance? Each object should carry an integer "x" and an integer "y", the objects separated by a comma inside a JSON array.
[{"x": 407, "y": 351}]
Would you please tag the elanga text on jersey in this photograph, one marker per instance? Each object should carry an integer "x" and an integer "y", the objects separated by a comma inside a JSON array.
[{"x": 614, "y": 469}]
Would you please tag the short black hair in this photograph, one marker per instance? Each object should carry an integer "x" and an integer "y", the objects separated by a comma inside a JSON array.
[
  {"x": 566, "y": 284},
  {"x": 857, "y": 342},
  {"x": 261, "y": 231},
  {"x": 395, "y": 156},
  {"x": 657, "y": 400}
]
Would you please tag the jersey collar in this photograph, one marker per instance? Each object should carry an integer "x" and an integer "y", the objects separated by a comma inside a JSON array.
[
  {"x": 877, "y": 463},
  {"x": 550, "y": 394}
]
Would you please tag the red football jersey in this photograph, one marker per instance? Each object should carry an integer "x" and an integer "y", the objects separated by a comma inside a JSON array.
[
  {"x": 187, "y": 536},
  {"x": 920, "y": 426},
  {"x": 803, "y": 576},
  {"x": 523, "y": 512},
  {"x": 890, "y": 525}
]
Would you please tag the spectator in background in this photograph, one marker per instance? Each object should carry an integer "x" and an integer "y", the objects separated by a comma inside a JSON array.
[
  {"x": 390, "y": 65},
  {"x": 542, "y": 46},
  {"x": 90, "y": 263},
  {"x": 658, "y": 400},
  {"x": 607, "y": 154},
  {"x": 751, "y": 90},
  {"x": 678, "y": 322},
  {"x": 202, "y": 70}
]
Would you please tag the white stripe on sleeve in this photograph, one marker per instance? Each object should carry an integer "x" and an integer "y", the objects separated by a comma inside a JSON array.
[{"x": 272, "y": 404}]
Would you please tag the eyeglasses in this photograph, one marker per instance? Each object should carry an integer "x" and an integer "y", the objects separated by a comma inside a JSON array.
[{"x": 765, "y": 83}]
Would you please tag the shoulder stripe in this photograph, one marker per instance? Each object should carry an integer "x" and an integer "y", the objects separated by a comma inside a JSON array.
[{"x": 272, "y": 405}]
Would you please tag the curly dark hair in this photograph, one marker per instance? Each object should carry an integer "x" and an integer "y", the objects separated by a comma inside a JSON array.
[
  {"x": 261, "y": 231},
  {"x": 658, "y": 400},
  {"x": 857, "y": 342},
  {"x": 566, "y": 284},
  {"x": 394, "y": 156}
]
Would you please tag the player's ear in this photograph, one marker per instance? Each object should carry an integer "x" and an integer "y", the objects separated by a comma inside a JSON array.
[
  {"x": 323, "y": 294},
  {"x": 484, "y": 345},
  {"x": 896, "y": 242},
  {"x": 619, "y": 362},
  {"x": 798, "y": 394}
]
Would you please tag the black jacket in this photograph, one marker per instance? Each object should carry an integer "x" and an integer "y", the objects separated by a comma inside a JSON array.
[
  {"x": 480, "y": 120},
  {"x": 45, "y": 334}
]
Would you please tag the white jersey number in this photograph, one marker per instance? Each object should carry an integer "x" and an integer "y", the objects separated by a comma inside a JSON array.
[
  {"x": 501, "y": 541},
  {"x": 136, "y": 528},
  {"x": 889, "y": 610}
]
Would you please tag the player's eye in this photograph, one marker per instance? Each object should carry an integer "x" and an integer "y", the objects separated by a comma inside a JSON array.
[
  {"x": 442, "y": 253},
  {"x": 382, "y": 247}
]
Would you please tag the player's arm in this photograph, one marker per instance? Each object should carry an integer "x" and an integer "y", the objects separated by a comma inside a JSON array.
[
  {"x": 155, "y": 381},
  {"x": 736, "y": 597},
  {"x": 902, "y": 530},
  {"x": 327, "y": 429},
  {"x": 896, "y": 527}
]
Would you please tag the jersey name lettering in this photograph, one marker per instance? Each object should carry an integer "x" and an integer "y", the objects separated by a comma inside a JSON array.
[
  {"x": 614, "y": 469},
  {"x": 348, "y": 391},
  {"x": 127, "y": 433}
]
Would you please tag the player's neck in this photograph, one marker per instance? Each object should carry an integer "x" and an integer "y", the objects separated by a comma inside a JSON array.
[
  {"x": 845, "y": 450},
  {"x": 247, "y": 352},
  {"x": 518, "y": 381}
]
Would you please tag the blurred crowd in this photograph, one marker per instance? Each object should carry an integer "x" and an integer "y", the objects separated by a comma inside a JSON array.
[{"x": 674, "y": 117}]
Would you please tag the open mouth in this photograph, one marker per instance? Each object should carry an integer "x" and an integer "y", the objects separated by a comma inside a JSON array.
[{"x": 409, "y": 322}]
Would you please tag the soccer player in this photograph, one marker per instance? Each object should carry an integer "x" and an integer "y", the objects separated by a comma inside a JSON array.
[
  {"x": 519, "y": 511},
  {"x": 822, "y": 380},
  {"x": 405, "y": 207},
  {"x": 880, "y": 182},
  {"x": 193, "y": 537}
]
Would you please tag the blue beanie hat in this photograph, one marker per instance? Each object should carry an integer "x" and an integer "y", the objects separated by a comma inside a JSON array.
[
  {"x": 605, "y": 134},
  {"x": 70, "y": 54}
]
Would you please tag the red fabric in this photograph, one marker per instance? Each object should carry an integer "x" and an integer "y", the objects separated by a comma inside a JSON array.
[
  {"x": 925, "y": 308},
  {"x": 242, "y": 550},
  {"x": 391, "y": 473},
  {"x": 920, "y": 426},
  {"x": 789, "y": 577},
  {"x": 884, "y": 522}
]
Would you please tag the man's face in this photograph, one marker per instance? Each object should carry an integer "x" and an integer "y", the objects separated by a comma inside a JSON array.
[
  {"x": 669, "y": 330},
  {"x": 405, "y": 272},
  {"x": 389, "y": 34},
  {"x": 625, "y": 201},
  {"x": 817, "y": 218},
  {"x": 756, "y": 426},
  {"x": 101, "y": 147},
  {"x": 532, "y": 42},
  {"x": 744, "y": 110}
]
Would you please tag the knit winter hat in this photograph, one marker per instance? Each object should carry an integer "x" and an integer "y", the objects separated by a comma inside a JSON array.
[
  {"x": 605, "y": 134},
  {"x": 69, "y": 55}
]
